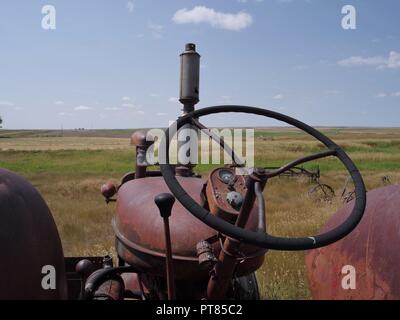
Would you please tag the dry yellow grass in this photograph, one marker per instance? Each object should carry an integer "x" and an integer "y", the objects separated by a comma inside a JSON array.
[{"x": 63, "y": 143}]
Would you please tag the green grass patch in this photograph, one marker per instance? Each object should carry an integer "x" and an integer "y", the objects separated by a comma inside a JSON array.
[
  {"x": 68, "y": 161},
  {"x": 121, "y": 161}
]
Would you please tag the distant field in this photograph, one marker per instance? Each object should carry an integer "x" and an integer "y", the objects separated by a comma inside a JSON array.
[
  {"x": 69, "y": 167},
  {"x": 94, "y": 151}
]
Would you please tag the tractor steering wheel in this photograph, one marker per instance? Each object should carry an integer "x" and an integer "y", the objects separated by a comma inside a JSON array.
[{"x": 262, "y": 239}]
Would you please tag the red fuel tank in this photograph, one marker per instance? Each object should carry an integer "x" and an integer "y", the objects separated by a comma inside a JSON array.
[
  {"x": 370, "y": 254},
  {"x": 140, "y": 231}
]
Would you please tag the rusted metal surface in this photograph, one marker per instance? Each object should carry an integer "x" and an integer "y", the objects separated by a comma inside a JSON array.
[
  {"x": 78, "y": 269},
  {"x": 140, "y": 141},
  {"x": 134, "y": 285},
  {"x": 224, "y": 270},
  {"x": 217, "y": 190},
  {"x": 29, "y": 241},
  {"x": 372, "y": 249},
  {"x": 139, "y": 230},
  {"x": 108, "y": 190},
  {"x": 205, "y": 253},
  {"x": 110, "y": 290}
]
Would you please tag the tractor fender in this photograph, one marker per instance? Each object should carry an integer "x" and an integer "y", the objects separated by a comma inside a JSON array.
[{"x": 32, "y": 260}]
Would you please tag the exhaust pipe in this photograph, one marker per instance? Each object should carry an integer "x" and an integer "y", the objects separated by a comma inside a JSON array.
[
  {"x": 188, "y": 96},
  {"x": 190, "y": 78}
]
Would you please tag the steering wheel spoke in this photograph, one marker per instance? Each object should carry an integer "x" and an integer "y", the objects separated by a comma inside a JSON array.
[
  {"x": 262, "y": 225},
  {"x": 237, "y": 162}
]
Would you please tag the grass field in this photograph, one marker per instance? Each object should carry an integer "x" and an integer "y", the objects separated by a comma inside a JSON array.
[{"x": 69, "y": 167}]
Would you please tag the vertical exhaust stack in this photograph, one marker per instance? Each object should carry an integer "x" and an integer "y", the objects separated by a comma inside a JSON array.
[
  {"x": 190, "y": 78},
  {"x": 188, "y": 96}
]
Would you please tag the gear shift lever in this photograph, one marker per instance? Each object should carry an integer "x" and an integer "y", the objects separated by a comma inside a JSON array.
[{"x": 165, "y": 202}]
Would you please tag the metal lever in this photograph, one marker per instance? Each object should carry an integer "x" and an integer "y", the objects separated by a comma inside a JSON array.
[
  {"x": 219, "y": 282},
  {"x": 108, "y": 190},
  {"x": 258, "y": 189},
  {"x": 164, "y": 202}
]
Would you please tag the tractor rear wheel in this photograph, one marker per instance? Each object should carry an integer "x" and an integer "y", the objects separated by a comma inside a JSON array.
[{"x": 246, "y": 288}]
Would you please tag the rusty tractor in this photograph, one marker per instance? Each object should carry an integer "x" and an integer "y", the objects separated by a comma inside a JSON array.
[{"x": 181, "y": 236}]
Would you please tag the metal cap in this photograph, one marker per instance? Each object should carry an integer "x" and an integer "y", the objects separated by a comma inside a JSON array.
[{"x": 190, "y": 47}]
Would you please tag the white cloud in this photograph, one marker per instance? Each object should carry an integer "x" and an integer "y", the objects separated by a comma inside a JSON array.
[
  {"x": 128, "y": 105},
  {"x": 112, "y": 108},
  {"x": 64, "y": 114},
  {"x": 278, "y": 96},
  {"x": 156, "y": 30},
  {"x": 59, "y": 102},
  {"x": 392, "y": 61},
  {"x": 161, "y": 114},
  {"x": 82, "y": 108},
  {"x": 126, "y": 98},
  {"x": 173, "y": 99},
  {"x": 153, "y": 95},
  {"x": 6, "y": 103},
  {"x": 156, "y": 27},
  {"x": 202, "y": 14},
  {"x": 383, "y": 95},
  {"x": 140, "y": 112},
  {"x": 300, "y": 67},
  {"x": 332, "y": 92},
  {"x": 361, "y": 61},
  {"x": 130, "y": 6}
]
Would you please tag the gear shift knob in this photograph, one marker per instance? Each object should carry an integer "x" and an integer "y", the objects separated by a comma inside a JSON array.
[{"x": 164, "y": 202}]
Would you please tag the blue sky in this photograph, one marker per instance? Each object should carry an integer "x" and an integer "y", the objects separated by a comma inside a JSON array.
[{"x": 115, "y": 64}]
